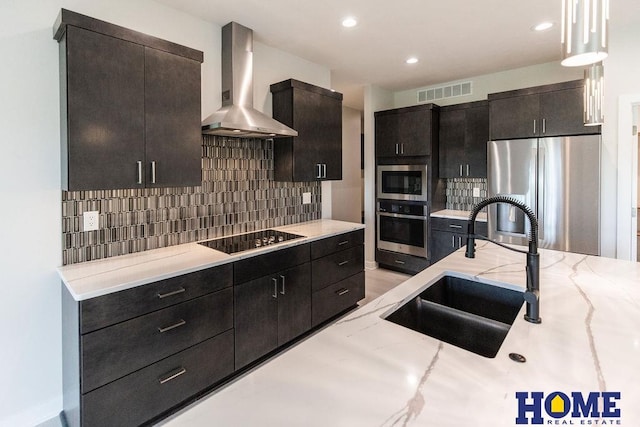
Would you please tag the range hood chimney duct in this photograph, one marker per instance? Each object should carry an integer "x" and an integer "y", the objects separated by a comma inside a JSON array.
[{"x": 237, "y": 117}]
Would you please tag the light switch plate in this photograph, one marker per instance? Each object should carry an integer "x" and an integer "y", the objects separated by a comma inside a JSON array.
[
  {"x": 306, "y": 198},
  {"x": 90, "y": 220},
  {"x": 476, "y": 192}
]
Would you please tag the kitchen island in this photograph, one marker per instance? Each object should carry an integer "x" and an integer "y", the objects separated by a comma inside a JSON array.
[{"x": 366, "y": 371}]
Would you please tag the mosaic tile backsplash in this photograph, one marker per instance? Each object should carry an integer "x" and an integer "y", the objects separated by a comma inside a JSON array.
[
  {"x": 237, "y": 195},
  {"x": 459, "y": 193}
]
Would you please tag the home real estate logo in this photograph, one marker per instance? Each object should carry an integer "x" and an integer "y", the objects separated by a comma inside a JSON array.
[{"x": 575, "y": 408}]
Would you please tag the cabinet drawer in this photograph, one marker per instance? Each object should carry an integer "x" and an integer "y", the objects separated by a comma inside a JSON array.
[
  {"x": 336, "y": 298},
  {"x": 401, "y": 262},
  {"x": 456, "y": 225},
  {"x": 333, "y": 244},
  {"x": 333, "y": 268},
  {"x": 263, "y": 265},
  {"x": 97, "y": 313},
  {"x": 142, "y": 395},
  {"x": 113, "y": 352}
]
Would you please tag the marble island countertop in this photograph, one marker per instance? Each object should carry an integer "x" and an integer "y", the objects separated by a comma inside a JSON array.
[
  {"x": 366, "y": 371},
  {"x": 101, "y": 277}
]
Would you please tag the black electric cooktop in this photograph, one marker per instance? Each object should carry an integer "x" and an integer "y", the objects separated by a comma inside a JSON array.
[{"x": 244, "y": 242}]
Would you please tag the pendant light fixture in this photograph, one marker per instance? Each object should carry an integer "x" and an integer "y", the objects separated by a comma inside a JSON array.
[
  {"x": 584, "y": 31},
  {"x": 593, "y": 95}
]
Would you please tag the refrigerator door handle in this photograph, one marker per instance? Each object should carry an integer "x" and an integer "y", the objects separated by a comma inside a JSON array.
[{"x": 540, "y": 208}]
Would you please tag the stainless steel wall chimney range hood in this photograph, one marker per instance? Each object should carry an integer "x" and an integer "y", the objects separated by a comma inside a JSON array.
[{"x": 237, "y": 117}]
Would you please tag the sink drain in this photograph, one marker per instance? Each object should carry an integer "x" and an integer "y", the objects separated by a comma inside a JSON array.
[{"x": 517, "y": 357}]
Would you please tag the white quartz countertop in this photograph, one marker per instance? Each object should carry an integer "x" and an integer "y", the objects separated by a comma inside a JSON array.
[
  {"x": 454, "y": 214},
  {"x": 101, "y": 277},
  {"x": 366, "y": 371}
]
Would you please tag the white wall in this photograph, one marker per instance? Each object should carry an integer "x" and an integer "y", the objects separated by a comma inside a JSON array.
[
  {"x": 347, "y": 194},
  {"x": 535, "y": 75},
  {"x": 30, "y": 378},
  {"x": 375, "y": 99},
  {"x": 622, "y": 87}
]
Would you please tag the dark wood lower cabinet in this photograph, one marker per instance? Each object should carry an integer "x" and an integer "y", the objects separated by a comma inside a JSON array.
[
  {"x": 271, "y": 311},
  {"x": 149, "y": 392},
  {"x": 134, "y": 356}
]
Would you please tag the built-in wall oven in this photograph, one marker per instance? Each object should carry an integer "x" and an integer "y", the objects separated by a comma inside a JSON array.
[
  {"x": 403, "y": 226},
  {"x": 402, "y": 182}
]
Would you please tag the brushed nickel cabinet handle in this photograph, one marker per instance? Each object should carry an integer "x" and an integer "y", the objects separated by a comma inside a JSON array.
[
  {"x": 397, "y": 149},
  {"x": 453, "y": 241},
  {"x": 175, "y": 325},
  {"x": 153, "y": 172},
  {"x": 399, "y": 262},
  {"x": 343, "y": 243},
  {"x": 275, "y": 287},
  {"x": 402, "y": 148},
  {"x": 467, "y": 170},
  {"x": 172, "y": 293},
  {"x": 283, "y": 280},
  {"x": 139, "y": 163},
  {"x": 534, "y": 126},
  {"x": 454, "y": 226},
  {"x": 324, "y": 170},
  {"x": 342, "y": 292},
  {"x": 460, "y": 169},
  {"x": 340, "y": 264},
  {"x": 173, "y": 376},
  {"x": 544, "y": 126}
]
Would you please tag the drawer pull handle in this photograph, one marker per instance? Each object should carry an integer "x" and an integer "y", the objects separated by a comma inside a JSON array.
[
  {"x": 176, "y": 325},
  {"x": 172, "y": 293},
  {"x": 399, "y": 262},
  {"x": 275, "y": 287},
  {"x": 340, "y": 264},
  {"x": 454, "y": 226},
  {"x": 182, "y": 371},
  {"x": 343, "y": 243},
  {"x": 283, "y": 280},
  {"x": 342, "y": 292}
]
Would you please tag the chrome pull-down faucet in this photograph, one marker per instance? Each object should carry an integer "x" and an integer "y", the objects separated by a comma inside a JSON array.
[{"x": 532, "y": 294}]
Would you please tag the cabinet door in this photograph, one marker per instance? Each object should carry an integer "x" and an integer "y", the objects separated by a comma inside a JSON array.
[
  {"x": 515, "y": 117},
  {"x": 294, "y": 302},
  {"x": 319, "y": 140},
  {"x": 562, "y": 112},
  {"x": 386, "y": 134},
  {"x": 452, "y": 141},
  {"x": 476, "y": 137},
  {"x": 414, "y": 133},
  {"x": 104, "y": 111},
  {"x": 445, "y": 244},
  {"x": 172, "y": 120},
  {"x": 256, "y": 319}
]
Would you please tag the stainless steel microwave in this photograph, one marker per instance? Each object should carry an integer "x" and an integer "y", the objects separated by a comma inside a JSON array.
[{"x": 402, "y": 182}]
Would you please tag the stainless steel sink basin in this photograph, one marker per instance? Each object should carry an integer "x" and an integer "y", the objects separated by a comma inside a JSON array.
[{"x": 466, "y": 313}]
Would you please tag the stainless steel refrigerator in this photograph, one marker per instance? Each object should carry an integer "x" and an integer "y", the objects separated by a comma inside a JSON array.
[{"x": 559, "y": 178}]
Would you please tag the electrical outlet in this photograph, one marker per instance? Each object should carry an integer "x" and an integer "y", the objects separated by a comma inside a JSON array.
[
  {"x": 476, "y": 192},
  {"x": 91, "y": 220},
  {"x": 306, "y": 198}
]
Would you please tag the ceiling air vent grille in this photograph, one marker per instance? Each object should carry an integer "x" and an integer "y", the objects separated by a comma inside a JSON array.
[{"x": 451, "y": 91}]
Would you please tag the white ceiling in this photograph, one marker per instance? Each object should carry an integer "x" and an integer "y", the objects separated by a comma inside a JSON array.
[{"x": 453, "y": 39}]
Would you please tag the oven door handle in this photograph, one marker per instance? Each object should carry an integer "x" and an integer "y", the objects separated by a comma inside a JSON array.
[{"x": 394, "y": 215}]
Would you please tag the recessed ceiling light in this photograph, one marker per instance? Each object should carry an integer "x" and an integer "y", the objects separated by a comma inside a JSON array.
[
  {"x": 349, "y": 22},
  {"x": 412, "y": 60},
  {"x": 542, "y": 26}
]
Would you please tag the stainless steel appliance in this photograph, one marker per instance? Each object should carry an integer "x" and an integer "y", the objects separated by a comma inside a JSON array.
[
  {"x": 403, "y": 227},
  {"x": 402, "y": 182},
  {"x": 559, "y": 178}
]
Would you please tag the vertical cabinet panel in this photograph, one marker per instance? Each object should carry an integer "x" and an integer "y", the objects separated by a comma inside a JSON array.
[
  {"x": 104, "y": 106},
  {"x": 172, "y": 120}
]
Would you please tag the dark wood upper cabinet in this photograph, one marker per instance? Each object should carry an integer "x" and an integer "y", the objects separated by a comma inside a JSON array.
[
  {"x": 406, "y": 132},
  {"x": 464, "y": 132},
  {"x": 130, "y": 107},
  {"x": 316, "y": 114},
  {"x": 550, "y": 110}
]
